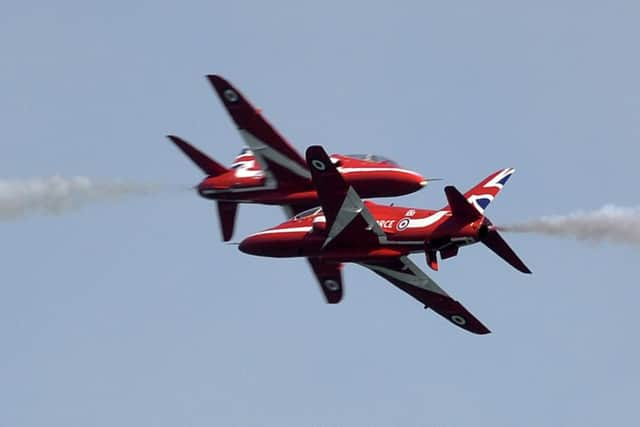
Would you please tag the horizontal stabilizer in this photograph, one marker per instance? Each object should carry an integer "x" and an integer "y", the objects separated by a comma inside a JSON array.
[
  {"x": 497, "y": 244},
  {"x": 461, "y": 209},
  {"x": 204, "y": 162}
]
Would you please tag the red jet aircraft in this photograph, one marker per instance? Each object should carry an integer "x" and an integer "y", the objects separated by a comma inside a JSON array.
[
  {"x": 271, "y": 172},
  {"x": 346, "y": 229}
]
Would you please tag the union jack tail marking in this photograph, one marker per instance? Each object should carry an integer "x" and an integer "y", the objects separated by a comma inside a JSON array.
[{"x": 483, "y": 194}]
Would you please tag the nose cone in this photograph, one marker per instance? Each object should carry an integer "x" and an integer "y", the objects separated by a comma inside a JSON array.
[
  {"x": 414, "y": 181},
  {"x": 276, "y": 242},
  {"x": 252, "y": 245}
]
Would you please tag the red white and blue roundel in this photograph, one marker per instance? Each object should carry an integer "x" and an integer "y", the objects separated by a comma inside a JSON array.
[
  {"x": 484, "y": 193},
  {"x": 403, "y": 223}
]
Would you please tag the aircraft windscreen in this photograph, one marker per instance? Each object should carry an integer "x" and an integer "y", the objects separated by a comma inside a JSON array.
[
  {"x": 373, "y": 158},
  {"x": 308, "y": 213}
]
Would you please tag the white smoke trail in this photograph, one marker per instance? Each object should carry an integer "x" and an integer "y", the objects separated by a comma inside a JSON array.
[
  {"x": 609, "y": 223},
  {"x": 57, "y": 194}
]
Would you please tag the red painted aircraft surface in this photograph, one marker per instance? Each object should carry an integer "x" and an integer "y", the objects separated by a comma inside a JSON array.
[
  {"x": 270, "y": 171},
  {"x": 347, "y": 229}
]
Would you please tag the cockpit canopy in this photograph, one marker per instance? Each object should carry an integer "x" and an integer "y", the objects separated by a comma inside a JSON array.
[
  {"x": 373, "y": 158},
  {"x": 308, "y": 213}
]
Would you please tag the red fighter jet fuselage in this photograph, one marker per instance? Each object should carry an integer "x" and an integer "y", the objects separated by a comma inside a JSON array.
[
  {"x": 406, "y": 230},
  {"x": 246, "y": 182},
  {"x": 347, "y": 229},
  {"x": 270, "y": 171}
]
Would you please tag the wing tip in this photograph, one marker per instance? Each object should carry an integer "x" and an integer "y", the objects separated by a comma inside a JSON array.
[
  {"x": 472, "y": 325},
  {"x": 174, "y": 138},
  {"x": 315, "y": 153},
  {"x": 227, "y": 93},
  {"x": 181, "y": 143},
  {"x": 484, "y": 331},
  {"x": 216, "y": 78},
  {"x": 314, "y": 148}
]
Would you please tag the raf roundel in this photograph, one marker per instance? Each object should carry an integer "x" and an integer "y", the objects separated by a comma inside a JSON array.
[
  {"x": 402, "y": 224},
  {"x": 318, "y": 165},
  {"x": 230, "y": 95},
  {"x": 331, "y": 285},
  {"x": 458, "y": 320}
]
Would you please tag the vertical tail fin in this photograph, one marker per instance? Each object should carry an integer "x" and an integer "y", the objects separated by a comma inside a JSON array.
[
  {"x": 483, "y": 194},
  {"x": 227, "y": 215}
]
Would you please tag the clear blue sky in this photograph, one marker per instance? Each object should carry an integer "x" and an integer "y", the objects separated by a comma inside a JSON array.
[{"x": 136, "y": 314}]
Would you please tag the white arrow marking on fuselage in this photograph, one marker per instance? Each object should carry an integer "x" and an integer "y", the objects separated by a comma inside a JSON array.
[
  {"x": 427, "y": 221},
  {"x": 261, "y": 149}
]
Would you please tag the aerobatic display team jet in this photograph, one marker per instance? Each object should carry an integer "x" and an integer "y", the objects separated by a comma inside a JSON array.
[
  {"x": 270, "y": 171},
  {"x": 379, "y": 237}
]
